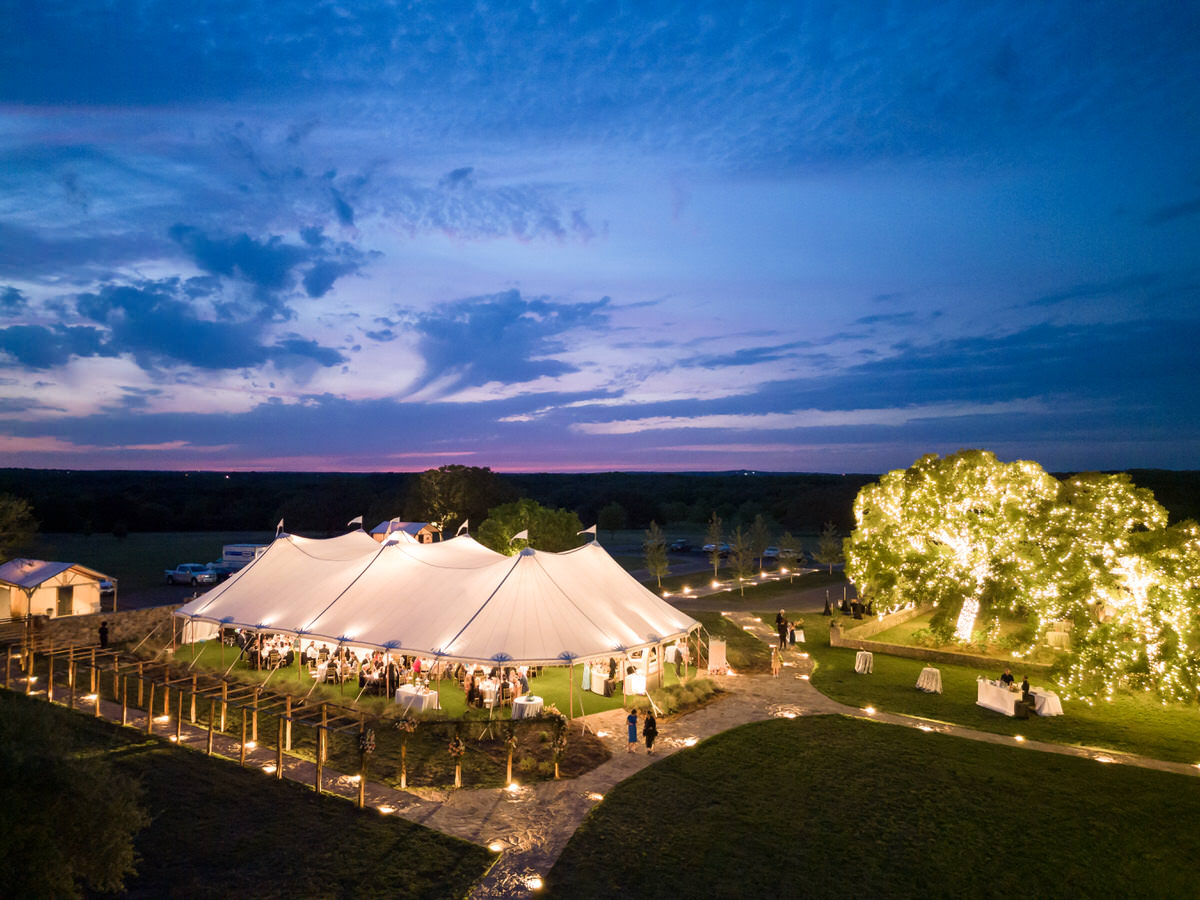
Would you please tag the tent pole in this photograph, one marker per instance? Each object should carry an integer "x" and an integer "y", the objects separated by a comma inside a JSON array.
[{"x": 571, "y": 692}]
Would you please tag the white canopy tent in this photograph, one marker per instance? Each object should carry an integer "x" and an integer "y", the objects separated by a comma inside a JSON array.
[{"x": 451, "y": 600}]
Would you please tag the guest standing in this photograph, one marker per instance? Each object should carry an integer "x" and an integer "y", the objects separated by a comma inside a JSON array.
[
  {"x": 631, "y": 721},
  {"x": 103, "y": 635},
  {"x": 781, "y": 627},
  {"x": 650, "y": 730}
]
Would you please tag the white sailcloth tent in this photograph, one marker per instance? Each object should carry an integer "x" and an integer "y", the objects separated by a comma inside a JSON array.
[{"x": 453, "y": 600}]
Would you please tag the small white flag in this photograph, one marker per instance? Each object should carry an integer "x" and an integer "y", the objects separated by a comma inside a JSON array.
[
  {"x": 279, "y": 528},
  {"x": 520, "y": 535},
  {"x": 357, "y": 520},
  {"x": 462, "y": 527},
  {"x": 591, "y": 530}
]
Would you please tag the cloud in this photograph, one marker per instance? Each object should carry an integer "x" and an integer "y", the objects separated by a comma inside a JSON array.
[
  {"x": 13, "y": 302},
  {"x": 502, "y": 337},
  {"x": 1138, "y": 284},
  {"x": 748, "y": 356},
  {"x": 38, "y": 347},
  {"x": 157, "y": 322},
  {"x": 30, "y": 253}
]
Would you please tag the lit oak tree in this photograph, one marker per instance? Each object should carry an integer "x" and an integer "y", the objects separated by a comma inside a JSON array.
[{"x": 549, "y": 529}]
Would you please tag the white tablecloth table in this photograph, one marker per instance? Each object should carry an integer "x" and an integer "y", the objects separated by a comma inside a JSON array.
[
  {"x": 996, "y": 696},
  {"x": 415, "y": 698},
  {"x": 599, "y": 676},
  {"x": 864, "y": 662},
  {"x": 526, "y": 707},
  {"x": 1046, "y": 703},
  {"x": 930, "y": 680},
  {"x": 491, "y": 694}
]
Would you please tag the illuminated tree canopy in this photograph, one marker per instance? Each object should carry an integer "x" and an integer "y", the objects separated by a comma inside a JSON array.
[{"x": 976, "y": 536}]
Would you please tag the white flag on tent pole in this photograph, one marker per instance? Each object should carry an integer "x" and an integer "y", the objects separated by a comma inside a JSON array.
[
  {"x": 279, "y": 528},
  {"x": 462, "y": 527},
  {"x": 357, "y": 520},
  {"x": 391, "y": 525},
  {"x": 524, "y": 534},
  {"x": 592, "y": 532}
]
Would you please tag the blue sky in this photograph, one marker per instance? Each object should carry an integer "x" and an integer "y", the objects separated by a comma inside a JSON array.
[{"x": 794, "y": 237}]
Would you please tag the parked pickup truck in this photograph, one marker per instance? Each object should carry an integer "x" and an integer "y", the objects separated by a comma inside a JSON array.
[{"x": 191, "y": 573}]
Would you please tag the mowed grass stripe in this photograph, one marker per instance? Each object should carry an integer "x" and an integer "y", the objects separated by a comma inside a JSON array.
[{"x": 838, "y": 807}]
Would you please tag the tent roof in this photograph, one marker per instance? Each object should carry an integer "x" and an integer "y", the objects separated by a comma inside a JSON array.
[
  {"x": 29, "y": 573},
  {"x": 454, "y": 599}
]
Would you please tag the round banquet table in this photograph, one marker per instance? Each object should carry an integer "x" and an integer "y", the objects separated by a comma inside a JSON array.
[
  {"x": 864, "y": 662},
  {"x": 526, "y": 707},
  {"x": 930, "y": 680}
]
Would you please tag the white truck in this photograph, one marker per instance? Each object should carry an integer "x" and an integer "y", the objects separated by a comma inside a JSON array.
[{"x": 235, "y": 557}]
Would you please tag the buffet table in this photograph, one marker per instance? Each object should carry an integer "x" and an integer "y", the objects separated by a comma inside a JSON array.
[{"x": 996, "y": 696}]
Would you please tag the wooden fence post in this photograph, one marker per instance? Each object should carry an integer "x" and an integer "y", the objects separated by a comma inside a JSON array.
[
  {"x": 279, "y": 752},
  {"x": 254, "y": 716},
  {"x": 320, "y": 754},
  {"x": 179, "y": 718},
  {"x": 287, "y": 733},
  {"x": 322, "y": 746},
  {"x": 242, "y": 756},
  {"x": 7, "y": 666},
  {"x": 71, "y": 682},
  {"x": 96, "y": 693},
  {"x": 212, "y": 717},
  {"x": 50, "y": 677},
  {"x": 150, "y": 710},
  {"x": 224, "y": 703},
  {"x": 193, "y": 699},
  {"x": 140, "y": 685},
  {"x": 29, "y": 671},
  {"x": 124, "y": 700},
  {"x": 93, "y": 679}
]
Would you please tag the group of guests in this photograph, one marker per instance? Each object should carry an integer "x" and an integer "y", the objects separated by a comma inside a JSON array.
[
  {"x": 480, "y": 684},
  {"x": 265, "y": 650}
]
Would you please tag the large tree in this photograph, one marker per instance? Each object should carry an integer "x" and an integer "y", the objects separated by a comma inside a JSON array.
[
  {"x": 549, "y": 529},
  {"x": 17, "y": 525},
  {"x": 968, "y": 532},
  {"x": 759, "y": 538},
  {"x": 449, "y": 495},
  {"x": 612, "y": 518},
  {"x": 741, "y": 557},
  {"x": 829, "y": 547}
]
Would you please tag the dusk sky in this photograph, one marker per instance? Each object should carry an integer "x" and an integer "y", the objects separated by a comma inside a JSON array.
[{"x": 827, "y": 236}]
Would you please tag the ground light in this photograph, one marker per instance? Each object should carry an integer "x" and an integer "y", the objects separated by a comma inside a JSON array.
[
  {"x": 269, "y": 768},
  {"x": 513, "y": 787},
  {"x": 387, "y": 809},
  {"x": 1019, "y": 738},
  {"x": 91, "y": 698},
  {"x": 869, "y": 710},
  {"x": 495, "y": 846},
  {"x": 594, "y": 796},
  {"x": 534, "y": 883}
]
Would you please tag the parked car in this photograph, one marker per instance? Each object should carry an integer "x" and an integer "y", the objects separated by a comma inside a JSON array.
[
  {"x": 771, "y": 553},
  {"x": 191, "y": 573},
  {"x": 679, "y": 546},
  {"x": 724, "y": 550}
]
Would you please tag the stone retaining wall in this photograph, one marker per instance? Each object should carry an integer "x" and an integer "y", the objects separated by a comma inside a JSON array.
[
  {"x": 123, "y": 625},
  {"x": 855, "y": 639}
]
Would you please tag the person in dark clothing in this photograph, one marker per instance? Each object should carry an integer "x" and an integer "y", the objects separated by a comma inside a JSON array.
[
  {"x": 631, "y": 721},
  {"x": 650, "y": 730},
  {"x": 781, "y": 626},
  {"x": 103, "y": 635},
  {"x": 1007, "y": 678}
]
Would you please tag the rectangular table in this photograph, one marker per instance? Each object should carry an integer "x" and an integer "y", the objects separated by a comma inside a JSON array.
[
  {"x": 997, "y": 697},
  {"x": 1046, "y": 703}
]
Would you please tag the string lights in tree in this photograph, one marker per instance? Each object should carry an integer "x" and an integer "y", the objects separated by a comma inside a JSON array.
[{"x": 1093, "y": 553}]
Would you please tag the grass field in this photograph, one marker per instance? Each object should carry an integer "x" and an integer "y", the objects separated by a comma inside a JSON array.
[
  {"x": 1132, "y": 723},
  {"x": 220, "y": 831},
  {"x": 836, "y": 807}
]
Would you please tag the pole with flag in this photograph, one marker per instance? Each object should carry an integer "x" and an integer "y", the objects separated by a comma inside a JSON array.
[
  {"x": 463, "y": 527},
  {"x": 520, "y": 535},
  {"x": 592, "y": 532},
  {"x": 357, "y": 520},
  {"x": 279, "y": 528}
]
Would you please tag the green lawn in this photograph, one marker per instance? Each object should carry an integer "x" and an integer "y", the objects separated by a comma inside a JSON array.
[
  {"x": 220, "y": 831},
  {"x": 836, "y": 807},
  {"x": 1133, "y": 723}
]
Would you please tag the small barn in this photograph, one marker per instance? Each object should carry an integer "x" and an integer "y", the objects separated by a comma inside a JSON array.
[
  {"x": 421, "y": 532},
  {"x": 42, "y": 588}
]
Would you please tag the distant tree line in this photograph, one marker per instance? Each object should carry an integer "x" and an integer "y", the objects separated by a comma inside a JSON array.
[{"x": 119, "y": 502}]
